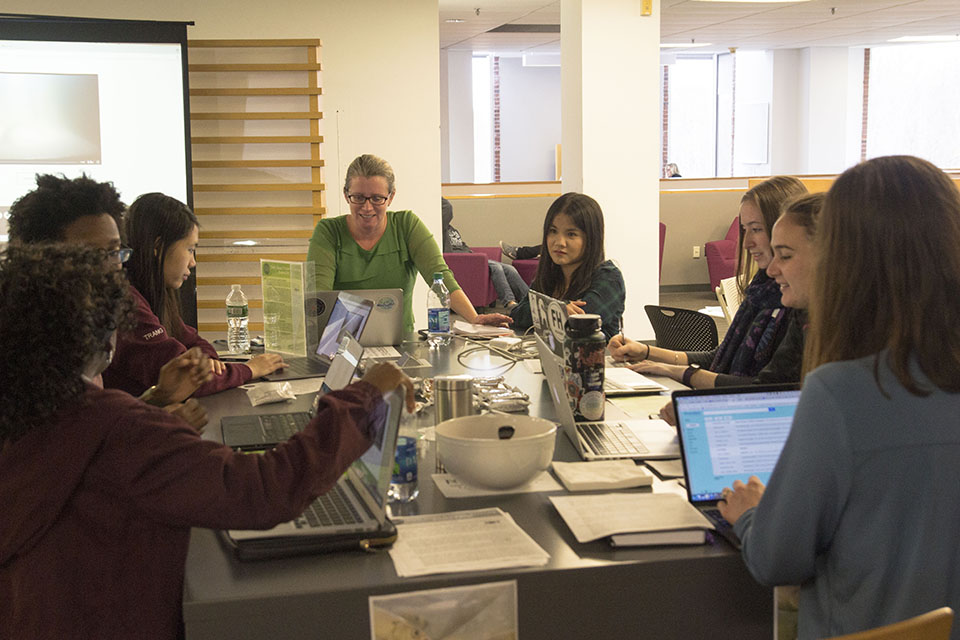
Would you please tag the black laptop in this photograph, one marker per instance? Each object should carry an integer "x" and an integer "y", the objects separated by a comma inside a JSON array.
[
  {"x": 352, "y": 515},
  {"x": 349, "y": 315},
  {"x": 727, "y": 434},
  {"x": 258, "y": 432}
]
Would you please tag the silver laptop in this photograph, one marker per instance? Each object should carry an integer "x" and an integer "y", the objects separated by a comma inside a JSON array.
[
  {"x": 352, "y": 515},
  {"x": 346, "y": 314},
  {"x": 549, "y": 322},
  {"x": 263, "y": 431},
  {"x": 609, "y": 440},
  {"x": 731, "y": 433},
  {"x": 385, "y": 326}
]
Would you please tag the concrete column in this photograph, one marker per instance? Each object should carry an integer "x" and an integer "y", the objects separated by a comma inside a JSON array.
[
  {"x": 610, "y": 70},
  {"x": 458, "y": 115}
]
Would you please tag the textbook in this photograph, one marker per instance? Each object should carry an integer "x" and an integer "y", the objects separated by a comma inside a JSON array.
[{"x": 641, "y": 518}]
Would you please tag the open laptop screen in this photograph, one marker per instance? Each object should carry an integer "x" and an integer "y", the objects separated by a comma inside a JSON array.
[
  {"x": 375, "y": 466},
  {"x": 732, "y": 434},
  {"x": 350, "y": 313}
]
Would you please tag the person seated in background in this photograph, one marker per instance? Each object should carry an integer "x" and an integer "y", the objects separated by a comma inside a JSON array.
[
  {"x": 84, "y": 211},
  {"x": 100, "y": 490},
  {"x": 163, "y": 233},
  {"x": 671, "y": 170},
  {"x": 760, "y": 323},
  {"x": 508, "y": 284},
  {"x": 576, "y": 270},
  {"x": 520, "y": 253},
  {"x": 862, "y": 506},
  {"x": 373, "y": 248}
]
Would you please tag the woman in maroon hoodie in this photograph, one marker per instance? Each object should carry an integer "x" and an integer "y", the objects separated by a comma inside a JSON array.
[
  {"x": 163, "y": 233},
  {"x": 98, "y": 490}
]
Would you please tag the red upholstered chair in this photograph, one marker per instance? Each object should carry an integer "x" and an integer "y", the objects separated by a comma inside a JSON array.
[
  {"x": 473, "y": 274},
  {"x": 527, "y": 268},
  {"x": 722, "y": 255}
]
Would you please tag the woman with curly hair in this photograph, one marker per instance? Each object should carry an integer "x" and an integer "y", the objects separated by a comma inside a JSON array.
[
  {"x": 163, "y": 233},
  {"x": 100, "y": 490}
]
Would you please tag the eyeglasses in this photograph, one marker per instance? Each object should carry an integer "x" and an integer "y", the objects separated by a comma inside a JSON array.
[
  {"x": 120, "y": 255},
  {"x": 356, "y": 198}
]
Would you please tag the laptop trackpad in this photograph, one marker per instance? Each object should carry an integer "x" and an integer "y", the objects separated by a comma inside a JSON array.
[{"x": 241, "y": 430}]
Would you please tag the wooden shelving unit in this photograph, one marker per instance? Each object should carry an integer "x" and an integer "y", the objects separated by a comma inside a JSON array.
[{"x": 256, "y": 123}]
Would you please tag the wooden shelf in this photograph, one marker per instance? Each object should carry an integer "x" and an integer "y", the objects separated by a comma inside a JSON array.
[
  {"x": 258, "y": 211},
  {"x": 236, "y": 164},
  {"x": 259, "y": 91},
  {"x": 257, "y": 115},
  {"x": 252, "y": 303},
  {"x": 210, "y": 327},
  {"x": 280, "y": 44},
  {"x": 279, "y": 66},
  {"x": 256, "y": 139},
  {"x": 280, "y": 186},
  {"x": 251, "y": 257},
  {"x": 274, "y": 233},
  {"x": 226, "y": 281}
]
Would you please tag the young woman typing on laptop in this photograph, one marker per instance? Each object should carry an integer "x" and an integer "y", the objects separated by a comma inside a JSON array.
[
  {"x": 163, "y": 233},
  {"x": 761, "y": 321},
  {"x": 99, "y": 489},
  {"x": 863, "y": 504},
  {"x": 576, "y": 270}
]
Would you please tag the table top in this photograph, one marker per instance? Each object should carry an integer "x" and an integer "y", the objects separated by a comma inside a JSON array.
[{"x": 218, "y": 587}]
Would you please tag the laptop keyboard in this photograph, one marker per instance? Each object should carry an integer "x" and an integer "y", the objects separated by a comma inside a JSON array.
[
  {"x": 280, "y": 426},
  {"x": 611, "y": 438},
  {"x": 332, "y": 508},
  {"x": 720, "y": 523},
  {"x": 302, "y": 366}
]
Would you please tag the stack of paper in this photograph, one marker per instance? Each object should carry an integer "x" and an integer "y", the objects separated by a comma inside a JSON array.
[
  {"x": 602, "y": 474},
  {"x": 633, "y": 518}
]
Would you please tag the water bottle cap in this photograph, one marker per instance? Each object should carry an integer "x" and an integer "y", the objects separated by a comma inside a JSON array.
[
  {"x": 234, "y": 286},
  {"x": 584, "y": 322},
  {"x": 437, "y": 276}
]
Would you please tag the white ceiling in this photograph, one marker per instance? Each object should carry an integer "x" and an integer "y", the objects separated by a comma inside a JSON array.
[{"x": 723, "y": 24}]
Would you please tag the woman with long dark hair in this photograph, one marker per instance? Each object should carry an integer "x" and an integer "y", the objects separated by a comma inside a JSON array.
[
  {"x": 163, "y": 233},
  {"x": 573, "y": 267},
  {"x": 863, "y": 505}
]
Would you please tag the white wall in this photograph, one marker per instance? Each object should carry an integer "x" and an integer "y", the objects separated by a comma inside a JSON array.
[
  {"x": 529, "y": 121},
  {"x": 754, "y": 87},
  {"x": 380, "y": 77},
  {"x": 459, "y": 114},
  {"x": 824, "y": 112},
  {"x": 787, "y": 125}
]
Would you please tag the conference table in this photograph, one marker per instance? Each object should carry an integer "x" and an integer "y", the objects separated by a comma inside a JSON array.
[{"x": 584, "y": 590}]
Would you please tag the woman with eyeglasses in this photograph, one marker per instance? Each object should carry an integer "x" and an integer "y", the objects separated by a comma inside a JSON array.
[
  {"x": 163, "y": 233},
  {"x": 373, "y": 248}
]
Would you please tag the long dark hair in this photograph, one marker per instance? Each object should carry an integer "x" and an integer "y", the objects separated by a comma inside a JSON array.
[
  {"x": 585, "y": 213},
  {"x": 155, "y": 222},
  {"x": 875, "y": 287},
  {"x": 73, "y": 298}
]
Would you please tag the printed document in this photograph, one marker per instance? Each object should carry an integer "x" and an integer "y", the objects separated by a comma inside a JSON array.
[
  {"x": 475, "y": 540},
  {"x": 596, "y": 516}
]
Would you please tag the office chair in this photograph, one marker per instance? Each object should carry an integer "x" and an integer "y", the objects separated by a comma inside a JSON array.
[
  {"x": 682, "y": 329},
  {"x": 933, "y": 625}
]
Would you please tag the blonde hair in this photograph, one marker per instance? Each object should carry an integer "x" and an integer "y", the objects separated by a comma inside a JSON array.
[
  {"x": 768, "y": 196},
  {"x": 884, "y": 222},
  {"x": 369, "y": 166}
]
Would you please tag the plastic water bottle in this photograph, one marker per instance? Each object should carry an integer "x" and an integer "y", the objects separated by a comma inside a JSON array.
[
  {"x": 238, "y": 315},
  {"x": 438, "y": 312},
  {"x": 403, "y": 480}
]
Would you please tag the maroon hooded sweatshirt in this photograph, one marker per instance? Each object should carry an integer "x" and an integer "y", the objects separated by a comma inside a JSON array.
[
  {"x": 141, "y": 352},
  {"x": 96, "y": 508}
]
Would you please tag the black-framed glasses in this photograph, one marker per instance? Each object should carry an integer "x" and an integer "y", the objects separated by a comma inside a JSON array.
[
  {"x": 120, "y": 255},
  {"x": 356, "y": 198}
]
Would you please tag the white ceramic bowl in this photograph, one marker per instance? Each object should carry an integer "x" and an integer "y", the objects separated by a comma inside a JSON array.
[{"x": 470, "y": 448}]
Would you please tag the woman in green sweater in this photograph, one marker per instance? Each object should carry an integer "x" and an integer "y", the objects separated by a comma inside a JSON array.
[{"x": 372, "y": 248}]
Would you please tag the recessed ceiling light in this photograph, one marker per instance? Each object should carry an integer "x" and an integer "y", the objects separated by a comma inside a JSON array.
[
  {"x": 246, "y": 243},
  {"x": 953, "y": 38},
  {"x": 454, "y": 20},
  {"x": 684, "y": 45}
]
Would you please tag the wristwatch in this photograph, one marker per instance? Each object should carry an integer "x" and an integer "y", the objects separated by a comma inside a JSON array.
[{"x": 688, "y": 374}]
